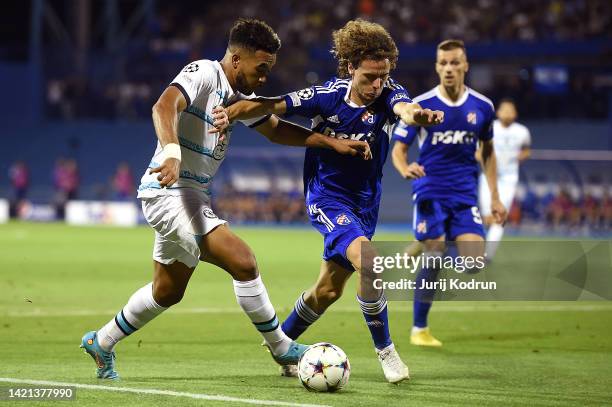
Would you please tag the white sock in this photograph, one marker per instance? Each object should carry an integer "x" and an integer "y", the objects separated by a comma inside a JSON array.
[
  {"x": 416, "y": 329},
  {"x": 253, "y": 299},
  {"x": 140, "y": 309},
  {"x": 494, "y": 235}
]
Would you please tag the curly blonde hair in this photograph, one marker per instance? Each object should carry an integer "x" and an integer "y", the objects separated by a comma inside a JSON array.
[{"x": 359, "y": 40}]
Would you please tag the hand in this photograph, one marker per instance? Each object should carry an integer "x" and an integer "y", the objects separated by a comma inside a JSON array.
[
  {"x": 168, "y": 172},
  {"x": 414, "y": 171},
  {"x": 351, "y": 147},
  {"x": 220, "y": 120},
  {"x": 427, "y": 117},
  {"x": 498, "y": 211}
]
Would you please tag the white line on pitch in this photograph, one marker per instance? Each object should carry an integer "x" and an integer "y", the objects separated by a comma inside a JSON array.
[
  {"x": 159, "y": 392},
  {"x": 440, "y": 307}
]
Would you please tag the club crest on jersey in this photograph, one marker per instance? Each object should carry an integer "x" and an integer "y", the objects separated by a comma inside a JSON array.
[
  {"x": 422, "y": 227},
  {"x": 368, "y": 117},
  {"x": 209, "y": 213},
  {"x": 472, "y": 117},
  {"x": 342, "y": 219},
  {"x": 221, "y": 148},
  {"x": 305, "y": 94},
  {"x": 192, "y": 67}
]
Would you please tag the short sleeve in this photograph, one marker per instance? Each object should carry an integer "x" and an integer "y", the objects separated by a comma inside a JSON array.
[
  {"x": 486, "y": 132},
  {"x": 306, "y": 102},
  {"x": 195, "y": 78},
  {"x": 404, "y": 133},
  {"x": 397, "y": 94},
  {"x": 526, "y": 138}
]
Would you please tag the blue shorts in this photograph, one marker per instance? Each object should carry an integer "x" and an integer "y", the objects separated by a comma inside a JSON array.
[
  {"x": 436, "y": 217},
  {"x": 340, "y": 225}
]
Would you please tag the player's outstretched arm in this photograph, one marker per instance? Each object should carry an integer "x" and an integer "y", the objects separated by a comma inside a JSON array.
[
  {"x": 489, "y": 165},
  {"x": 249, "y": 109},
  {"x": 414, "y": 115},
  {"x": 290, "y": 134},
  {"x": 165, "y": 119},
  {"x": 399, "y": 156}
]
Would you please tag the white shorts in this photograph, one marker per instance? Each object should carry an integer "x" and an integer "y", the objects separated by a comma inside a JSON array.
[
  {"x": 506, "y": 187},
  {"x": 179, "y": 221}
]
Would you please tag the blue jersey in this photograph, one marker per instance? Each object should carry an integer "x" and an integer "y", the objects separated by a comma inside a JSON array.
[
  {"x": 346, "y": 179},
  {"x": 447, "y": 150}
]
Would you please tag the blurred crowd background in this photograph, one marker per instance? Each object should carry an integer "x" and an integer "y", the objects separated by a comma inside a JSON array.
[{"x": 88, "y": 72}]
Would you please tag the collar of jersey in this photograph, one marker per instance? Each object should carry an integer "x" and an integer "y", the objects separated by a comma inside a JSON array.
[
  {"x": 348, "y": 100},
  {"x": 449, "y": 102},
  {"x": 232, "y": 93}
]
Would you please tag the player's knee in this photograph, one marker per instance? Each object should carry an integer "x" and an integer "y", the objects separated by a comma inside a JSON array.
[
  {"x": 167, "y": 295},
  {"x": 244, "y": 267},
  {"x": 328, "y": 294}
]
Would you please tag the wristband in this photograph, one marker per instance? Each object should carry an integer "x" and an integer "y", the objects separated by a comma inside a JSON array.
[{"x": 172, "y": 150}]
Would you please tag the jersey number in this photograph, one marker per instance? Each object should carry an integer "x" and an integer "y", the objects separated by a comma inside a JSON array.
[{"x": 476, "y": 215}]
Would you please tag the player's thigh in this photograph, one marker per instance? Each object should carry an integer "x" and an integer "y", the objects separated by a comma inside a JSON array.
[
  {"x": 437, "y": 245},
  {"x": 175, "y": 238},
  {"x": 470, "y": 245},
  {"x": 225, "y": 249},
  {"x": 359, "y": 252}
]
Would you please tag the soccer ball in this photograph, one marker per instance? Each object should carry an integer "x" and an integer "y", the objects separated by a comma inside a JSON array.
[{"x": 324, "y": 367}]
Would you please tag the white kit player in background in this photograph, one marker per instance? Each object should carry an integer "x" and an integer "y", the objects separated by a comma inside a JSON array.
[
  {"x": 512, "y": 146},
  {"x": 193, "y": 133}
]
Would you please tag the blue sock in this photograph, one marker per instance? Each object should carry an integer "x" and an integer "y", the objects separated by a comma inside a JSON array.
[
  {"x": 300, "y": 319},
  {"x": 423, "y": 298},
  {"x": 375, "y": 314}
]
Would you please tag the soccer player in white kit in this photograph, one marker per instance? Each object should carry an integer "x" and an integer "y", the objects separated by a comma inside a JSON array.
[
  {"x": 512, "y": 146},
  {"x": 193, "y": 136}
]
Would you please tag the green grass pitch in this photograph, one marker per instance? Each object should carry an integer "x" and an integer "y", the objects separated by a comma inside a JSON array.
[{"x": 58, "y": 282}]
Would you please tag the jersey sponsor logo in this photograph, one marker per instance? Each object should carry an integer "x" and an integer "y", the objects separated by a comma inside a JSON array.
[
  {"x": 452, "y": 137},
  {"x": 472, "y": 117},
  {"x": 342, "y": 219},
  {"x": 369, "y": 136},
  {"x": 191, "y": 68},
  {"x": 305, "y": 94}
]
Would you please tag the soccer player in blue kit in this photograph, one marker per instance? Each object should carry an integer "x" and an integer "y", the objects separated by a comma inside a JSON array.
[
  {"x": 445, "y": 187},
  {"x": 342, "y": 193}
]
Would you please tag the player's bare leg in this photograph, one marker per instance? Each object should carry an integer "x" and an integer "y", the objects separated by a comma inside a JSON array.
[
  {"x": 470, "y": 244},
  {"x": 373, "y": 304},
  {"x": 328, "y": 288},
  {"x": 423, "y": 298},
  {"x": 414, "y": 249},
  {"x": 226, "y": 250},
  {"x": 168, "y": 287}
]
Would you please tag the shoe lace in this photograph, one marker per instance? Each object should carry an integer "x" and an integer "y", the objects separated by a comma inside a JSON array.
[
  {"x": 392, "y": 359},
  {"x": 107, "y": 357}
]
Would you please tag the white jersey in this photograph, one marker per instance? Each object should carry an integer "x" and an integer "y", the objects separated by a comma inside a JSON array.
[
  {"x": 508, "y": 142},
  {"x": 204, "y": 86}
]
